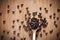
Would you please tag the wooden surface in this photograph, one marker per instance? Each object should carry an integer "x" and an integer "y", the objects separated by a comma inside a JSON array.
[{"x": 33, "y": 6}]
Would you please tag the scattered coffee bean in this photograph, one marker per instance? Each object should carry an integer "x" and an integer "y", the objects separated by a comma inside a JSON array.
[
  {"x": 17, "y": 20},
  {"x": 22, "y": 22},
  {"x": 19, "y": 27},
  {"x": 8, "y": 32},
  {"x": 14, "y": 38},
  {"x": 2, "y": 37},
  {"x": 8, "y": 6},
  {"x": 22, "y": 5},
  {"x": 14, "y": 32},
  {"x": 50, "y": 16},
  {"x": 50, "y": 5},
  {"x": 13, "y": 26},
  {"x": 40, "y": 8},
  {"x": 17, "y": 6},
  {"x": 13, "y": 12},
  {"x": 51, "y": 31},
  {"x": 26, "y": 8},
  {"x": 18, "y": 34},
  {"x": 13, "y": 21},
  {"x": 57, "y": 18},
  {"x": 0, "y": 14},
  {"x": 11, "y": 38},
  {"x": 8, "y": 11},
  {"x": 58, "y": 10},
  {"x": 4, "y": 31},
  {"x": 40, "y": 35},
  {"x": 57, "y": 34},
  {"x": 34, "y": 13},
  {"x": 46, "y": 34},
  {"x": 43, "y": 30},
  {"x": 20, "y": 11},
  {"x": 4, "y": 21}
]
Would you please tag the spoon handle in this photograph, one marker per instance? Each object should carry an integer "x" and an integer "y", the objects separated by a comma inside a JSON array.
[{"x": 34, "y": 35}]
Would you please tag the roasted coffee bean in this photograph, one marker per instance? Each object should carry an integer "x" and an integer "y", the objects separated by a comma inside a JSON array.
[
  {"x": 50, "y": 5},
  {"x": 18, "y": 34},
  {"x": 21, "y": 39},
  {"x": 14, "y": 32},
  {"x": 13, "y": 21},
  {"x": 56, "y": 25},
  {"x": 8, "y": 6},
  {"x": 8, "y": 11},
  {"x": 0, "y": 14},
  {"x": 4, "y": 31},
  {"x": 34, "y": 23},
  {"x": 2, "y": 37},
  {"x": 4, "y": 21},
  {"x": 17, "y": 6},
  {"x": 19, "y": 27},
  {"x": 26, "y": 8},
  {"x": 39, "y": 16},
  {"x": 34, "y": 13},
  {"x": 11, "y": 38},
  {"x": 20, "y": 11},
  {"x": 40, "y": 35},
  {"x": 54, "y": 14},
  {"x": 54, "y": 17},
  {"x": 54, "y": 22},
  {"x": 46, "y": 34},
  {"x": 57, "y": 18},
  {"x": 57, "y": 34},
  {"x": 13, "y": 26},
  {"x": 40, "y": 8},
  {"x": 58, "y": 10},
  {"x": 38, "y": 30},
  {"x": 44, "y": 8},
  {"x": 8, "y": 32},
  {"x": 17, "y": 20},
  {"x": 13, "y": 12},
  {"x": 51, "y": 31},
  {"x": 50, "y": 16},
  {"x": 22, "y": 22},
  {"x": 22, "y": 5},
  {"x": 24, "y": 38},
  {"x": 14, "y": 38},
  {"x": 43, "y": 30},
  {"x": 46, "y": 11}
]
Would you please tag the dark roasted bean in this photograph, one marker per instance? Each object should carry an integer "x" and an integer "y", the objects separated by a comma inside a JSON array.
[
  {"x": 12, "y": 26},
  {"x": 17, "y": 20},
  {"x": 50, "y": 16},
  {"x": 20, "y": 11},
  {"x": 22, "y": 5},
  {"x": 0, "y": 14},
  {"x": 4, "y": 31},
  {"x": 40, "y": 35},
  {"x": 34, "y": 13},
  {"x": 50, "y": 5},
  {"x": 17, "y": 6},
  {"x": 8, "y": 6},
  {"x": 13, "y": 21},
  {"x": 51, "y": 31},
  {"x": 8, "y": 11},
  {"x": 14, "y": 32},
  {"x": 13, "y": 12},
  {"x": 46, "y": 34},
  {"x": 4, "y": 21},
  {"x": 14, "y": 38},
  {"x": 58, "y": 10},
  {"x": 40, "y": 8}
]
